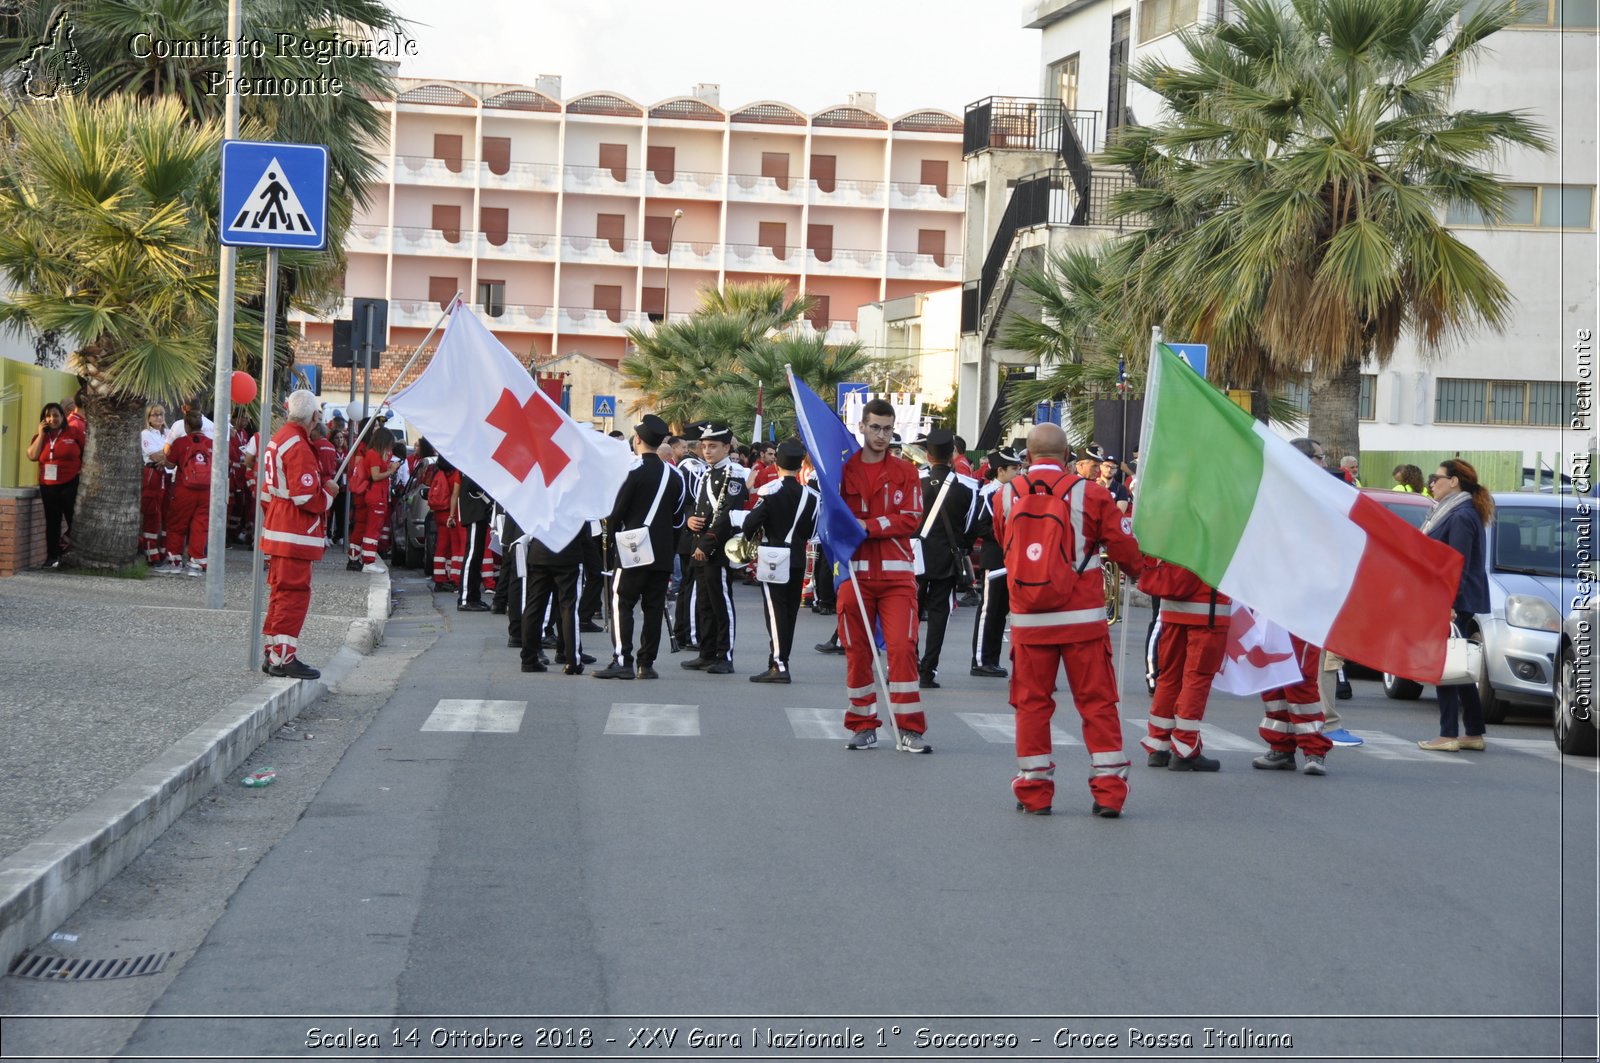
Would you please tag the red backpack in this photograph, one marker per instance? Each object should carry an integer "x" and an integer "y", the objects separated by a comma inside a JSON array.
[
  {"x": 196, "y": 470},
  {"x": 1039, "y": 543},
  {"x": 360, "y": 476}
]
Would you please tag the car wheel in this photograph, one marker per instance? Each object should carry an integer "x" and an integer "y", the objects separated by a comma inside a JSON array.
[
  {"x": 1574, "y": 736},
  {"x": 1494, "y": 708},
  {"x": 1399, "y": 689}
]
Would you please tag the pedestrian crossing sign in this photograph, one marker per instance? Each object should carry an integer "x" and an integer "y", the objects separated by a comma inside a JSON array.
[
  {"x": 605, "y": 406},
  {"x": 274, "y": 195}
]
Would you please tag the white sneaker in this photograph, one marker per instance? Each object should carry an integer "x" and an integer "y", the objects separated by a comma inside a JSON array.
[
  {"x": 171, "y": 568},
  {"x": 377, "y": 568},
  {"x": 192, "y": 569},
  {"x": 911, "y": 742},
  {"x": 863, "y": 739}
]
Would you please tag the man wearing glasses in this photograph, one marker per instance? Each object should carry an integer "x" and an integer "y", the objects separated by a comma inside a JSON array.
[{"x": 884, "y": 494}]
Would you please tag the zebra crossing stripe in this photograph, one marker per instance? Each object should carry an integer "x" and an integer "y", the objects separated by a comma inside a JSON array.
[
  {"x": 1546, "y": 749},
  {"x": 818, "y": 723},
  {"x": 638, "y": 718},
  {"x": 1388, "y": 747},
  {"x": 1000, "y": 728},
  {"x": 1211, "y": 737},
  {"x": 496, "y": 717}
]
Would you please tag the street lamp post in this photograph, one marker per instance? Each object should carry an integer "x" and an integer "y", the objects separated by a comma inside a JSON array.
[{"x": 666, "y": 292}]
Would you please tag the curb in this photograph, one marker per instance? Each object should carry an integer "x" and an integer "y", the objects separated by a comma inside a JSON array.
[{"x": 45, "y": 881}]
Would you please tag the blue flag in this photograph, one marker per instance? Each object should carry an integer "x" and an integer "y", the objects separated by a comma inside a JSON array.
[{"x": 829, "y": 445}]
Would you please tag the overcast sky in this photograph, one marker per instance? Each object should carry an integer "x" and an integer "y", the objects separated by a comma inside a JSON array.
[{"x": 913, "y": 53}]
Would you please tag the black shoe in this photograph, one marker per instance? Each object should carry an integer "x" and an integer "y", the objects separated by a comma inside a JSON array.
[
  {"x": 515, "y": 644},
  {"x": 614, "y": 671},
  {"x": 266, "y": 666},
  {"x": 771, "y": 675},
  {"x": 830, "y": 647},
  {"x": 922, "y": 615},
  {"x": 471, "y": 607},
  {"x": 535, "y": 666},
  {"x": 352, "y": 566},
  {"x": 826, "y": 610},
  {"x": 550, "y": 642},
  {"x": 698, "y": 664},
  {"x": 294, "y": 669},
  {"x": 498, "y": 609},
  {"x": 1159, "y": 759},
  {"x": 572, "y": 669},
  {"x": 646, "y": 672},
  {"x": 988, "y": 671},
  {"x": 1105, "y": 813},
  {"x": 719, "y": 668},
  {"x": 970, "y": 600},
  {"x": 927, "y": 682},
  {"x": 589, "y": 627},
  {"x": 441, "y": 588},
  {"x": 584, "y": 658},
  {"x": 1198, "y": 762},
  {"x": 1342, "y": 690},
  {"x": 1045, "y": 811}
]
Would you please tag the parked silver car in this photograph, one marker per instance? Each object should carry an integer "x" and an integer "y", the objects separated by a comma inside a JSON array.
[
  {"x": 1533, "y": 553},
  {"x": 1576, "y": 731}
]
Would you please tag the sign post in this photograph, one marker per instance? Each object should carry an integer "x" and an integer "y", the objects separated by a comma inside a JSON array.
[{"x": 273, "y": 196}]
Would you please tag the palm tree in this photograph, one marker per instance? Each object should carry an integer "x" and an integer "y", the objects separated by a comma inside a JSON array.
[
  {"x": 823, "y": 366},
  {"x": 1296, "y": 191},
  {"x": 107, "y": 237}
]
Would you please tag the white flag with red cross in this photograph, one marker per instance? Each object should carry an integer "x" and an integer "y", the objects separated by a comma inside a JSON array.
[
  {"x": 1259, "y": 655},
  {"x": 481, "y": 409}
]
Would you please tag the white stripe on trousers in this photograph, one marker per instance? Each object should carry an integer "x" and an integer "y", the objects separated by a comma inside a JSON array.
[
  {"x": 616, "y": 616},
  {"x": 727, "y": 598},
  {"x": 983, "y": 616},
  {"x": 472, "y": 538},
  {"x": 772, "y": 627}
]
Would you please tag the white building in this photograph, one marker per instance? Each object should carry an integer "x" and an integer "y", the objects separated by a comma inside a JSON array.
[
  {"x": 920, "y": 332},
  {"x": 1512, "y": 391}
]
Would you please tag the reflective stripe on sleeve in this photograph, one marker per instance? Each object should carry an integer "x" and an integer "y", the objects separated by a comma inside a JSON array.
[{"x": 1070, "y": 616}]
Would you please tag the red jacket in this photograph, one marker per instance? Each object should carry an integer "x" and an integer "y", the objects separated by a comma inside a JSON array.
[
  {"x": 887, "y": 497},
  {"x": 296, "y": 495},
  {"x": 1185, "y": 597},
  {"x": 327, "y": 457},
  {"x": 1104, "y": 527},
  {"x": 61, "y": 455}
]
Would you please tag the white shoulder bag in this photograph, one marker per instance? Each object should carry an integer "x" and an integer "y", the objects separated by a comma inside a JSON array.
[
  {"x": 772, "y": 562},
  {"x": 633, "y": 546},
  {"x": 1463, "y": 660}
]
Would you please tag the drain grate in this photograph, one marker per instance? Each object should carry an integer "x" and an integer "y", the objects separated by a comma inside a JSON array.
[{"x": 60, "y": 968}]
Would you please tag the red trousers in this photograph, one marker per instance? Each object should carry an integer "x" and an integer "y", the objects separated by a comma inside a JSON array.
[
  {"x": 369, "y": 513},
  {"x": 289, "y": 596},
  {"x": 1294, "y": 713},
  {"x": 1188, "y": 658},
  {"x": 449, "y": 545},
  {"x": 188, "y": 518},
  {"x": 1093, "y": 683},
  {"x": 152, "y": 501},
  {"x": 893, "y": 604}
]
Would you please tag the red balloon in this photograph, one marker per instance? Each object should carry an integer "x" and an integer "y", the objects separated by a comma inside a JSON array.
[{"x": 243, "y": 388}]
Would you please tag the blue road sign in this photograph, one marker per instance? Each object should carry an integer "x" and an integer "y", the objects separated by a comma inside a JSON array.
[
  {"x": 605, "y": 406},
  {"x": 845, "y": 389},
  {"x": 274, "y": 195},
  {"x": 1193, "y": 353}
]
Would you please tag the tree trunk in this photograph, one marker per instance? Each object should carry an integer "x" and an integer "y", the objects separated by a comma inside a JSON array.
[
  {"x": 105, "y": 530},
  {"x": 1335, "y": 413}
]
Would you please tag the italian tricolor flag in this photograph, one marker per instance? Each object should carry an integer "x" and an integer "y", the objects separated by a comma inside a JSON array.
[{"x": 1225, "y": 497}]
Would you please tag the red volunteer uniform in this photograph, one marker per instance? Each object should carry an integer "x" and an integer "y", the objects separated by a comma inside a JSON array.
[
  {"x": 449, "y": 543},
  {"x": 297, "y": 496},
  {"x": 1194, "y": 636},
  {"x": 61, "y": 458},
  {"x": 1294, "y": 713},
  {"x": 887, "y": 497},
  {"x": 189, "y": 514},
  {"x": 1076, "y": 636},
  {"x": 373, "y": 503}
]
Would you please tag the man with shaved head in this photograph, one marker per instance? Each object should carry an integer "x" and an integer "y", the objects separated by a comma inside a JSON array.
[{"x": 1052, "y": 525}]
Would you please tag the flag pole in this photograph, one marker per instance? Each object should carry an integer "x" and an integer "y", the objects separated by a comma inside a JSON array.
[{"x": 367, "y": 421}]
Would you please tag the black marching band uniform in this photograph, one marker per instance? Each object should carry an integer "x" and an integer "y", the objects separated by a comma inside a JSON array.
[
  {"x": 688, "y": 617},
  {"x": 946, "y": 537},
  {"x": 785, "y": 514},
  {"x": 474, "y": 507},
  {"x": 551, "y": 574},
  {"x": 653, "y": 497},
  {"x": 722, "y": 491},
  {"x": 988, "y": 627}
]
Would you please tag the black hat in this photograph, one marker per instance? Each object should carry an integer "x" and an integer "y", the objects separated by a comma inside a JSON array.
[
  {"x": 790, "y": 454},
  {"x": 1108, "y": 457},
  {"x": 894, "y": 439},
  {"x": 941, "y": 442},
  {"x": 691, "y": 431},
  {"x": 714, "y": 432},
  {"x": 652, "y": 430},
  {"x": 1001, "y": 457}
]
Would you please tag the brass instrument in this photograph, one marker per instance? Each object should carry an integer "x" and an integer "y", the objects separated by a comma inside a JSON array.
[
  {"x": 739, "y": 551},
  {"x": 722, "y": 498}
]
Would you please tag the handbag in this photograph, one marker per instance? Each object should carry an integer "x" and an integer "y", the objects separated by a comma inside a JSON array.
[
  {"x": 1463, "y": 660},
  {"x": 965, "y": 577},
  {"x": 772, "y": 562},
  {"x": 633, "y": 546}
]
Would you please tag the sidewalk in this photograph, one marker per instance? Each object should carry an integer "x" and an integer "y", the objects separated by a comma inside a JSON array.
[{"x": 121, "y": 697}]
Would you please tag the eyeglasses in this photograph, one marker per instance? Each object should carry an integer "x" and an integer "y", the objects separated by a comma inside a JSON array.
[
  {"x": 1438, "y": 476},
  {"x": 878, "y": 429}
]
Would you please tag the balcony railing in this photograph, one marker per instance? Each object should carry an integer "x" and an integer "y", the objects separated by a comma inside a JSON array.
[
  {"x": 1055, "y": 201},
  {"x": 427, "y": 170},
  {"x": 414, "y": 313},
  {"x": 527, "y": 247},
  {"x": 908, "y": 265},
  {"x": 760, "y": 256},
  {"x": 690, "y": 254},
  {"x": 417, "y": 240},
  {"x": 753, "y": 188},
  {"x": 603, "y": 179},
  {"x": 848, "y": 193},
  {"x": 845, "y": 261},
  {"x": 1021, "y": 123},
  {"x": 599, "y": 250},
  {"x": 516, "y": 316},
  {"x": 909, "y": 194},
  {"x": 523, "y": 176},
  {"x": 684, "y": 183},
  {"x": 340, "y": 309},
  {"x": 588, "y": 320}
]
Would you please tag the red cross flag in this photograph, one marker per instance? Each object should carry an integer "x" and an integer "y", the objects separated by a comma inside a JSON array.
[
  {"x": 1259, "y": 655},
  {"x": 479, "y": 407}
]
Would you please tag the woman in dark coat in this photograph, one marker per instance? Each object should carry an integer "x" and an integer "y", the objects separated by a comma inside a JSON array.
[{"x": 1461, "y": 517}]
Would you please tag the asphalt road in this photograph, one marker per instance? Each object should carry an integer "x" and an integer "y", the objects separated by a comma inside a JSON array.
[{"x": 701, "y": 852}]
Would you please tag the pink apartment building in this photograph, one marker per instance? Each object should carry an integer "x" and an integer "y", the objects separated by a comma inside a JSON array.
[{"x": 556, "y": 217}]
